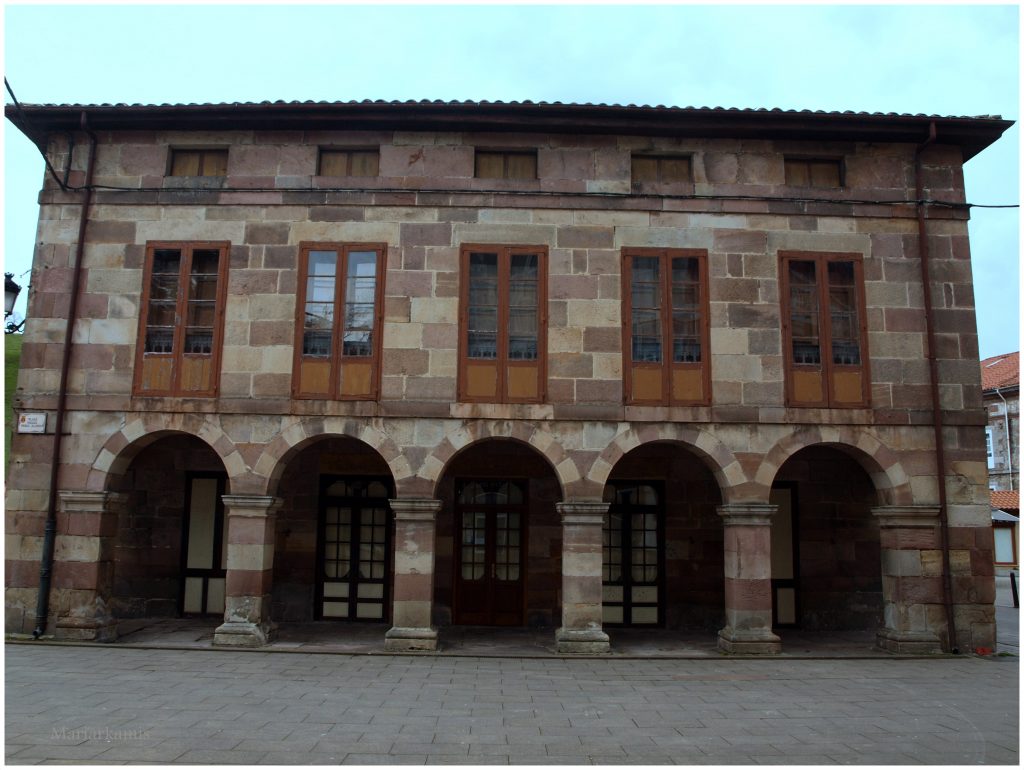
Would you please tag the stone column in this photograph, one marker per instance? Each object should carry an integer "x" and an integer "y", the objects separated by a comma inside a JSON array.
[
  {"x": 84, "y": 565},
  {"x": 250, "y": 571},
  {"x": 911, "y": 578},
  {"x": 748, "y": 579},
  {"x": 582, "y": 539},
  {"x": 412, "y": 600}
]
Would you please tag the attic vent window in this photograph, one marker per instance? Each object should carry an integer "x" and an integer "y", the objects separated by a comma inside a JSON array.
[
  {"x": 494, "y": 164},
  {"x": 349, "y": 162},
  {"x": 199, "y": 162},
  {"x": 814, "y": 172},
  {"x": 663, "y": 169}
]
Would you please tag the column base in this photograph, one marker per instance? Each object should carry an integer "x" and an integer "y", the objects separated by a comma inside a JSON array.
[
  {"x": 242, "y": 634},
  {"x": 756, "y": 642},
  {"x": 410, "y": 639},
  {"x": 86, "y": 629},
  {"x": 909, "y": 642},
  {"x": 589, "y": 641}
]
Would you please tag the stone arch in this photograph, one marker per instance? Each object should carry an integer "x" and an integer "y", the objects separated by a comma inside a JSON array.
[
  {"x": 540, "y": 439},
  {"x": 719, "y": 459},
  {"x": 881, "y": 463},
  {"x": 301, "y": 432},
  {"x": 120, "y": 449}
]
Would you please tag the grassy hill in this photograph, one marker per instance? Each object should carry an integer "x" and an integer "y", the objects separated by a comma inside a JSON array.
[{"x": 12, "y": 357}]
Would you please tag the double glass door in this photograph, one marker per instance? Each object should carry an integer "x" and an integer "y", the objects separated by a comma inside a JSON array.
[
  {"x": 634, "y": 556},
  {"x": 490, "y": 517},
  {"x": 355, "y": 549}
]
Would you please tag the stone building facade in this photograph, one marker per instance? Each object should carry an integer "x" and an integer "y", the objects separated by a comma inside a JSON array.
[{"x": 567, "y": 366}]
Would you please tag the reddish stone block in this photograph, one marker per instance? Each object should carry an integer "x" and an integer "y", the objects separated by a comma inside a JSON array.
[
  {"x": 748, "y": 594},
  {"x": 248, "y": 582}
]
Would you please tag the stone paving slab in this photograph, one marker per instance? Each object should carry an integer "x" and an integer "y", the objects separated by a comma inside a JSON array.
[{"x": 115, "y": 705}]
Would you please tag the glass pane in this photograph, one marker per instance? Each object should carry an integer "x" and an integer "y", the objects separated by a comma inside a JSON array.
[
  {"x": 166, "y": 261},
  {"x": 645, "y": 269},
  {"x": 198, "y": 341},
  {"x": 323, "y": 263},
  {"x": 205, "y": 261}
]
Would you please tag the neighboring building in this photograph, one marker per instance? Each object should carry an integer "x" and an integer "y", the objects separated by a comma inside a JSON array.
[
  {"x": 1005, "y": 530},
  {"x": 1000, "y": 390},
  {"x": 576, "y": 366}
]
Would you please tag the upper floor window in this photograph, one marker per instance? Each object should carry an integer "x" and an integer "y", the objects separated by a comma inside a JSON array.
[
  {"x": 503, "y": 326},
  {"x": 825, "y": 329},
  {"x": 988, "y": 448},
  {"x": 666, "y": 330},
  {"x": 659, "y": 169},
  {"x": 337, "y": 345},
  {"x": 814, "y": 172},
  {"x": 211, "y": 162},
  {"x": 502, "y": 164},
  {"x": 349, "y": 162},
  {"x": 182, "y": 319}
]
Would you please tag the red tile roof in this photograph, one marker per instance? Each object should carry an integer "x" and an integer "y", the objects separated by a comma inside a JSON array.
[
  {"x": 1004, "y": 500},
  {"x": 1000, "y": 371}
]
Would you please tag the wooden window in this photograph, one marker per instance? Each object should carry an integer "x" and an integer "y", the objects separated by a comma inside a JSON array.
[
  {"x": 182, "y": 319},
  {"x": 660, "y": 169},
  {"x": 501, "y": 164},
  {"x": 199, "y": 162},
  {"x": 355, "y": 162},
  {"x": 665, "y": 334},
  {"x": 338, "y": 334},
  {"x": 824, "y": 329},
  {"x": 503, "y": 324},
  {"x": 814, "y": 172}
]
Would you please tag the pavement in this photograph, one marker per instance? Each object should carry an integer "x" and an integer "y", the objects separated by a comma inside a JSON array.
[{"x": 116, "y": 705}]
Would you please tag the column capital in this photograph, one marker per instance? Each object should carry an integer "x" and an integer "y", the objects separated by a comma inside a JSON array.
[
  {"x": 906, "y": 515},
  {"x": 251, "y": 505},
  {"x": 88, "y": 502},
  {"x": 415, "y": 508},
  {"x": 582, "y": 511},
  {"x": 747, "y": 514}
]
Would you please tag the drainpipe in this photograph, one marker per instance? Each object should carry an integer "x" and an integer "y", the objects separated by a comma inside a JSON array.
[
  {"x": 50, "y": 532},
  {"x": 1006, "y": 428},
  {"x": 933, "y": 370}
]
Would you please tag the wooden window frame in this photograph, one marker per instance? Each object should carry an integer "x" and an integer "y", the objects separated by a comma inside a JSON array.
[
  {"x": 638, "y": 184},
  {"x": 666, "y": 366},
  {"x": 1012, "y": 528},
  {"x": 838, "y": 160},
  {"x": 203, "y": 152},
  {"x": 177, "y": 356},
  {"x": 506, "y": 154},
  {"x": 827, "y": 367},
  {"x": 347, "y": 151},
  {"x": 504, "y": 253},
  {"x": 337, "y": 358}
]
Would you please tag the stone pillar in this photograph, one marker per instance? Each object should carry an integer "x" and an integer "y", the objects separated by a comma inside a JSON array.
[
  {"x": 250, "y": 571},
  {"x": 748, "y": 579},
  {"x": 412, "y": 600},
  {"x": 911, "y": 578},
  {"x": 582, "y": 540},
  {"x": 84, "y": 565}
]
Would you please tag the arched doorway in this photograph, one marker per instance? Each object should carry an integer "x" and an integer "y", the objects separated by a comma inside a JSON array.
[
  {"x": 333, "y": 555},
  {"x": 499, "y": 538},
  {"x": 663, "y": 541},
  {"x": 826, "y": 547},
  {"x": 170, "y": 553}
]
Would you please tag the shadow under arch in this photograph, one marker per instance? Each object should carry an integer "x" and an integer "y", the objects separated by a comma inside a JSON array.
[
  {"x": 538, "y": 439},
  {"x": 882, "y": 464},
  {"x": 718, "y": 458},
  {"x": 117, "y": 454},
  {"x": 302, "y": 433}
]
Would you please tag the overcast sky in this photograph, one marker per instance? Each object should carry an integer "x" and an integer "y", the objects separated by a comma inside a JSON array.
[{"x": 932, "y": 59}]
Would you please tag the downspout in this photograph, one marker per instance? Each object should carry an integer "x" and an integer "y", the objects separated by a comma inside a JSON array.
[
  {"x": 50, "y": 532},
  {"x": 933, "y": 370},
  {"x": 1006, "y": 428}
]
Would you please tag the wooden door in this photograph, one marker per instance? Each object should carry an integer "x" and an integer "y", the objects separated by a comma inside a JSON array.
[{"x": 491, "y": 531}]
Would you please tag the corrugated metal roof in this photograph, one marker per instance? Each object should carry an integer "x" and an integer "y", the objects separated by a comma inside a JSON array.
[
  {"x": 499, "y": 103},
  {"x": 1000, "y": 371}
]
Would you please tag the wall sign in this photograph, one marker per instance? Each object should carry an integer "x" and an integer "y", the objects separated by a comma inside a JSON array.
[{"x": 32, "y": 422}]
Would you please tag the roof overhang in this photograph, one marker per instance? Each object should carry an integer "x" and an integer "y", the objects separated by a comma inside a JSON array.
[{"x": 972, "y": 134}]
